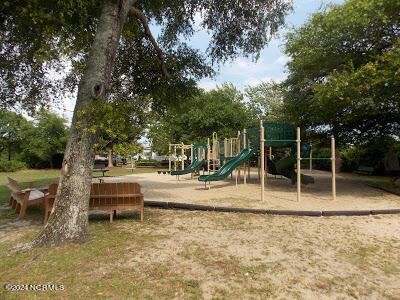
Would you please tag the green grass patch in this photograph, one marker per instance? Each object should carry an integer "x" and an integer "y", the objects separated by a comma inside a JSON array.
[{"x": 42, "y": 178}]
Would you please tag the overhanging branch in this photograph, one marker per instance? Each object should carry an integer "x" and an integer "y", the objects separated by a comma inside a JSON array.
[{"x": 142, "y": 18}]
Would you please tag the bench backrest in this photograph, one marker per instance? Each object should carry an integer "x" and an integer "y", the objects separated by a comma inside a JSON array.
[
  {"x": 100, "y": 164},
  {"x": 114, "y": 188},
  {"x": 107, "y": 188},
  {"x": 13, "y": 185},
  {"x": 52, "y": 190}
]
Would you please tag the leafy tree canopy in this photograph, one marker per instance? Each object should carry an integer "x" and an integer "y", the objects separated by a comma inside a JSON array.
[
  {"x": 45, "y": 140},
  {"x": 12, "y": 128},
  {"x": 35, "y": 142},
  {"x": 38, "y": 38},
  {"x": 266, "y": 100},
  {"x": 343, "y": 72},
  {"x": 221, "y": 110}
]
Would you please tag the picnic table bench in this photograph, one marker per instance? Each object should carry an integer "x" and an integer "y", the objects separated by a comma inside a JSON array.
[
  {"x": 110, "y": 197},
  {"x": 100, "y": 167},
  {"x": 21, "y": 198},
  {"x": 365, "y": 170}
]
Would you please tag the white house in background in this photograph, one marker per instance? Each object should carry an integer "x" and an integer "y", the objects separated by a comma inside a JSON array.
[{"x": 148, "y": 154}]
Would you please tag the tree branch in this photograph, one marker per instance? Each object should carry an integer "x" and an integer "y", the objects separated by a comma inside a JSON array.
[{"x": 142, "y": 18}]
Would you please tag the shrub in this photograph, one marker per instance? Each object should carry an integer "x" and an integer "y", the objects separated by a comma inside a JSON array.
[
  {"x": 11, "y": 165},
  {"x": 322, "y": 164},
  {"x": 351, "y": 158}
]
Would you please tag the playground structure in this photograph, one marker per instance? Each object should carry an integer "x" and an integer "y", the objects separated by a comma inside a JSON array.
[
  {"x": 197, "y": 160},
  {"x": 282, "y": 135},
  {"x": 234, "y": 155},
  {"x": 178, "y": 159}
]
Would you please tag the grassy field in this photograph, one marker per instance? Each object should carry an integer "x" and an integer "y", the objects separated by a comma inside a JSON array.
[
  {"x": 45, "y": 177},
  {"x": 206, "y": 255}
]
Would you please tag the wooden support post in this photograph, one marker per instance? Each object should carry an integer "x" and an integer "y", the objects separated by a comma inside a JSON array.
[
  {"x": 270, "y": 153},
  {"x": 236, "y": 173},
  {"x": 183, "y": 156},
  {"x": 265, "y": 168},
  {"x": 333, "y": 162},
  {"x": 262, "y": 159},
  {"x": 174, "y": 157},
  {"x": 169, "y": 158},
  {"x": 298, "y": 140},
  {"x": 245, "y": 146},
  {"x": 310, "y": 158},
  {"x": 208, "y": 155}
]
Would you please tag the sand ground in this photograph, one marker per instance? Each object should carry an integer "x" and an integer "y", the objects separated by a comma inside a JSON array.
[
  {"x": 279, "y": 192},
  {"x": 207, "y": 255}
]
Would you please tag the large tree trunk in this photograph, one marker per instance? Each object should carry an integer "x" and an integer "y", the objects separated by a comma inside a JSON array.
[
  {"x": 69, "y": 220},
  {"x": 110, "y": 158}
]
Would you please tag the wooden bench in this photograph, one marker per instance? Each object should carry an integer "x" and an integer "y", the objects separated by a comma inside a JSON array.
[
  {"x": 110, "y": 197},
  {"x": 364, "y": 170},
  {"x": 22, "y": 198}
]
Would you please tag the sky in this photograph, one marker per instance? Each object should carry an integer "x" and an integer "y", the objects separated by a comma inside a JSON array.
[
  {"x": 271, "y": 64},
  {"x": 243, "y": 72}
]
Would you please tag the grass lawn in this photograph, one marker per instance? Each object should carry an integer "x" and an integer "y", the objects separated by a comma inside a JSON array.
[{"x": 45, "y": 177}]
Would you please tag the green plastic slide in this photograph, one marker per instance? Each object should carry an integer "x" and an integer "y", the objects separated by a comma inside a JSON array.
[
  {"x": 195, "y": 165},
  {"x": 228, "y": 168},
  {"x": 285, "y": 167}
]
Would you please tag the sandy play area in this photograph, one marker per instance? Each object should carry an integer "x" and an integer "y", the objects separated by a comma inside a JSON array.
[{"x": 279, "y": 192}]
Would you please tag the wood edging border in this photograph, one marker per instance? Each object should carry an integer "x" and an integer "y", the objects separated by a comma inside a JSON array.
[{"x": 307, "y": 213}]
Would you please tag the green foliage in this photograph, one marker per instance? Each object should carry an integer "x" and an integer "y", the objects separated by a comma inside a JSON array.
[
  {"x": 126, "y": 149},
  {"x": 61, "y": 33},
  {"x": 266, "y": 100},
  {"x": 371, "y": 154},
  {"x": 117, "y": 122},
  {"x": 46, "y": 140},
  {"x": 12, "y": 128},
  {"x": 11, "y": 165},
  {"x": 36, "y": 143},
  {"x": 351, "y": 157},
  {"x": 221, "y": 110},
  {"x": 321, "y": 164},
  {"x": 343, "y": 72}
]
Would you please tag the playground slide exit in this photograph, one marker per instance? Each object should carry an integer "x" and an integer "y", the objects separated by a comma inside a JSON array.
[
  {"x": 229, "y": 167},
  {"x": 286, "y": 167},
  {"x": 195, "y": 165}
]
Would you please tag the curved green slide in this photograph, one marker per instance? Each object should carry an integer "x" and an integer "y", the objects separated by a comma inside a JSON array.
[
  {"x": 195, "y": 165},
  {"x": 228, "y": 168},
  {"x": 285, "y": 167}
]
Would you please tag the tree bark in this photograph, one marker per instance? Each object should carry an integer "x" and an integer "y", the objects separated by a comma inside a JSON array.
[
  {"x": 69, "y": 219},
  {"x": 110, "y": 158},
  {"x": 9, "y": 146}
]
